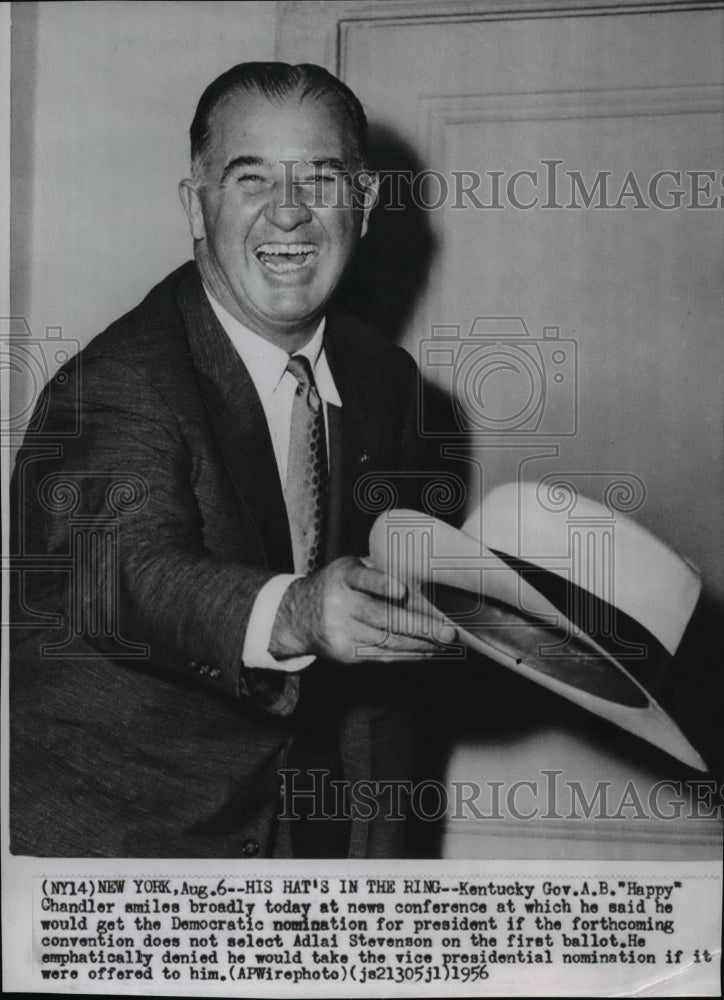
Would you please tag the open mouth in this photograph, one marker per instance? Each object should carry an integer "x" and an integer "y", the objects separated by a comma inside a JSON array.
[{"x": 284, "y": 257}]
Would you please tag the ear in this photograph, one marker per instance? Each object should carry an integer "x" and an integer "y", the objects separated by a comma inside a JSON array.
[
  {"x": 191, "y": 200},
  {"x": 369, "y": 186}
]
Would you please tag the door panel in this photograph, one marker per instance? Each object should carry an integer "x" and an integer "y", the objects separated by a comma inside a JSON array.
[{"x": 632, "y": 293}]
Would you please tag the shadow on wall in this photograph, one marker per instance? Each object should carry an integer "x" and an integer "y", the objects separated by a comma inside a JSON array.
[
  {"x": 694, "y": 685},
  {"x": 477, "y": 701},
  {"x": 391, "y": 268},
  {"x": 387, "y": 278},
  {"x": 478, "y": 698}
]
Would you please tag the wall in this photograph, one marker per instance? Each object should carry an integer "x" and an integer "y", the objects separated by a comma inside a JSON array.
[
  {"x": 481, "y": 85},
  {"x": 102, "y": 98}
]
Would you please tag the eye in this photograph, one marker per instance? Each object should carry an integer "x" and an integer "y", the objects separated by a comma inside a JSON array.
[
  {"x": 321, "y": 189},
  {"x": 321, "y": 179},
  {"x": 252, "y": 183}
]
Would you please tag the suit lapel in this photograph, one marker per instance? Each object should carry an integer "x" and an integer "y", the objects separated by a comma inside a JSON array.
[
  {"x": 238, "y": 423},
  {"x": 242, "y": 434},
  {"x": 354, "y": 446}
]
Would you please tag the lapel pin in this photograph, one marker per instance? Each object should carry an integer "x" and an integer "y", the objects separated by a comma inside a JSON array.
[{"x": 363, "y": 457}]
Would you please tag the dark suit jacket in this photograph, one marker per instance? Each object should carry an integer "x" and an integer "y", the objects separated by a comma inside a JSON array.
[{"x": 141, "y": 537}]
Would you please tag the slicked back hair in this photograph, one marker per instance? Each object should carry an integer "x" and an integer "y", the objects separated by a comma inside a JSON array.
[{"x": 276, "y": 81}]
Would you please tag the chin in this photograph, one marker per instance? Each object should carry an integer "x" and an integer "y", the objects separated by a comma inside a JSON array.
[
  {"x": 296, "y": 323},
  {"x": 296, "y": 310}
]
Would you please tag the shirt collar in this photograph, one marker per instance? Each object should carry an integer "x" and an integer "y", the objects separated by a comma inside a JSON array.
[{"x": 266, "y": 363}]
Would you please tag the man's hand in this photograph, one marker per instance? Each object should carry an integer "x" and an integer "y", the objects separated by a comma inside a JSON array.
[{"x": 346, "y": 605}]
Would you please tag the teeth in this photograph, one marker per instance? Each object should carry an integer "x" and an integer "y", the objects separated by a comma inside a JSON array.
[
  {"x": 283, "y": 249},
  {"x": 283, "y": 257}
]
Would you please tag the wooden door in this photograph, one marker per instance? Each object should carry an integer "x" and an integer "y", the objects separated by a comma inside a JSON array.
[{"x": 573, "y": 213}]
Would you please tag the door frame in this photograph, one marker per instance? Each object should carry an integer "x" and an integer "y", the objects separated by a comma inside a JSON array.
[{"x": 318, "y": 28}]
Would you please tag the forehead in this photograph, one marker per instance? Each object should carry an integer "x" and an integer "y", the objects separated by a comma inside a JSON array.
[{"x": 249, "y": 124}]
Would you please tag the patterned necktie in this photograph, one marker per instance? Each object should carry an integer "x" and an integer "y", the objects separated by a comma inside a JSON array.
[
  {"x": 314, "y": 753},
  {"x": 307, "y": 472}
]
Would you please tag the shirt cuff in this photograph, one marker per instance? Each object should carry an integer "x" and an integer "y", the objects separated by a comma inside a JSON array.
[{"x": 256, "y": 653}]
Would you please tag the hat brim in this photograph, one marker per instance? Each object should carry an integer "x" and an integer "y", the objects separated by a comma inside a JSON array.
[
  {"x": 499, "y": 613},
  {"x": 560, "y": 662}
]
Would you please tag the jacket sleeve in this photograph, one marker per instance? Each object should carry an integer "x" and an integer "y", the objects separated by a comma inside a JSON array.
[{"x": 122, "y": 475}]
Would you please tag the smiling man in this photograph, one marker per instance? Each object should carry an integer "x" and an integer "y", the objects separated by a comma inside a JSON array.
[
  {"x": 270, "y": 207},
  {"x": 191, "y": 631}
]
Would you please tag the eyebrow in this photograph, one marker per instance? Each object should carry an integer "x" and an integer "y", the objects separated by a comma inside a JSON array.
[{"x": 329, "y": 161}]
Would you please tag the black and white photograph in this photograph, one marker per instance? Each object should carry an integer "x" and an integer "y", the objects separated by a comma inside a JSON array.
[{"x": 362, "y": 482}]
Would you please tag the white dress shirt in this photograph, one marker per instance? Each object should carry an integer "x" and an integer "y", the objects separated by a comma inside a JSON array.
[{"x": 266, "y": 364}]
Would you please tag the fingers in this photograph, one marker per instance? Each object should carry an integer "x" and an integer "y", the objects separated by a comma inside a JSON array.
[
  {"x": 443, "y": 629},
  {"x": 349, "y": 606},
  {"x": 412, "y": 646},
  {"x": 374, "y": 582},
  {"x": 444, "y": 632},
  {"x": 387, "y": 647},
  {"x": 414, "y": 625}
]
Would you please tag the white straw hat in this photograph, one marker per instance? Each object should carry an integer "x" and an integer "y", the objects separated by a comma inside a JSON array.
[{"x": 577, "y": 597}]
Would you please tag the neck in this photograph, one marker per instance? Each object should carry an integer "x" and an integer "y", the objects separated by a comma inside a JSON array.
[{"x": 290, "y": 337}]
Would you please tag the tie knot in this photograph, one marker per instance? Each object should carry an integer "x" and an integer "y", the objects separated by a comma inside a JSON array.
[{"x": 301, "y": 369}]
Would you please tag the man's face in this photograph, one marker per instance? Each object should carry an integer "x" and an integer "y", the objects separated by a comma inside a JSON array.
[{"x": 272, "y": 213}]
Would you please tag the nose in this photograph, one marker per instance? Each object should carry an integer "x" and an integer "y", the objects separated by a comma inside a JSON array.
[{"x": 286, "y": 208}]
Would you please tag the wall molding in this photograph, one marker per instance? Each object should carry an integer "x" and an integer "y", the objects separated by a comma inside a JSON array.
[
  {"x": 695, "y": 840},
  {"x": 436, "y": 114},
  {"x": 320, "y": 28},
  {"x": 698, "y": 831}
]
